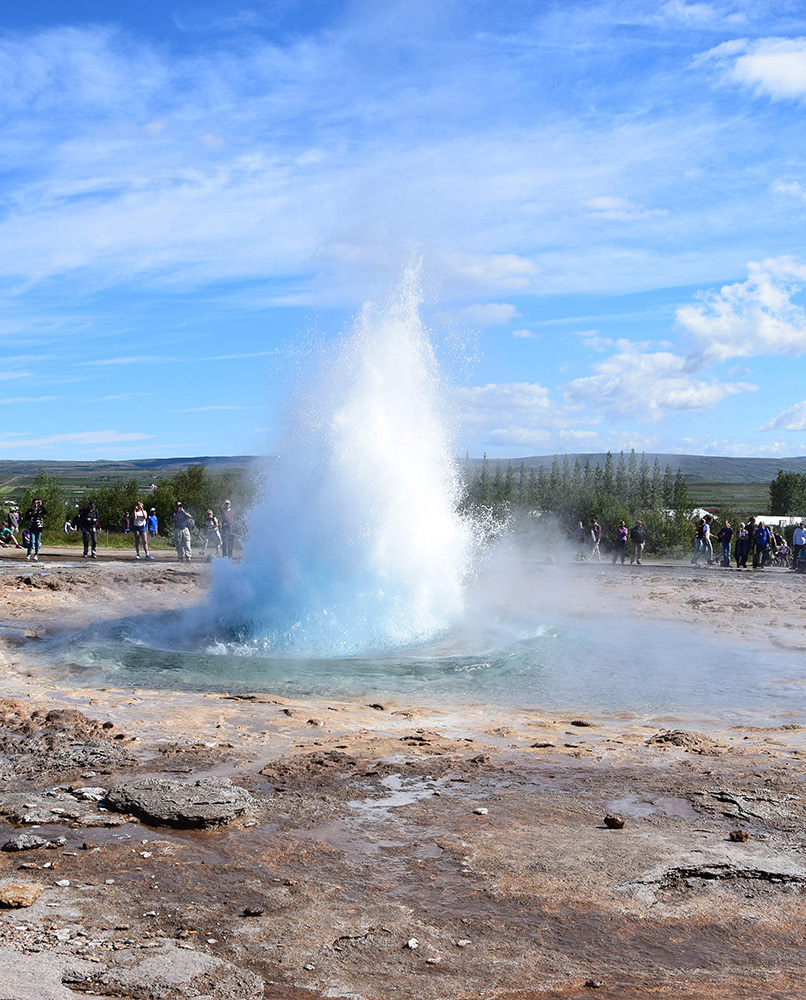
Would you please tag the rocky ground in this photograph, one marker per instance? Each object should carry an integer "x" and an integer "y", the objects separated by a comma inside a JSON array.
[{"x": 166, "y": 845}]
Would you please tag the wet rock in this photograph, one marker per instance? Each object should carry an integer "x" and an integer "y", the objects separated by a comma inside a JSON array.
[
  {"x": 25, "y": 842},
  {"x": 614, "y": 821},
  {"x": 204, "y": 803},
  {"x": 54, "y": 805},
  {"x": 18, "y": 894},
  {"x": 175, "y": 972}
]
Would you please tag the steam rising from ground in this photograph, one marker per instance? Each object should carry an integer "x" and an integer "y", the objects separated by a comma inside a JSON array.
[{"x": 358, "y": 545}]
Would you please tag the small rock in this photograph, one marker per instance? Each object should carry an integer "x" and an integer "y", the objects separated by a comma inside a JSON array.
[
  {"x": 412, "y": 943},
  {"x": 579, "y": 722},
  {"x": 613, "y": 821},
  {"x": 462, "y": 942},
  {"x": 63, "y": 882},
  {"x": 25, "y": 842},
  {"x": 377, "y": 707},
  {"x": 308, "y": 967},
  {"x": 594, "y": 984},
  {"x": 434, "y": 960},
  {"x": 481, "y": 811},
  {"x": 252, "y": 911},
  {"x": 19, "y": 894},
  {"x": 90, "y": 845},
  {"x": 738, "y": 836},
  {"x": 315, "y": 722}
]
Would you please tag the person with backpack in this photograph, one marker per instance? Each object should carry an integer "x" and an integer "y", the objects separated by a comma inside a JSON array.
[
  {"x": 761, "y": 537},
  {"x": 183, "y": 525},
  {"x": 638, "y": 539}
]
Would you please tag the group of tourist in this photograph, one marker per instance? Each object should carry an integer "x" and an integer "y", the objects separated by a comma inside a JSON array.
[
  {"x": 589, "y": 541},
  {"x": 753, "y": 540},
  {"x": 219, "y": 531}
]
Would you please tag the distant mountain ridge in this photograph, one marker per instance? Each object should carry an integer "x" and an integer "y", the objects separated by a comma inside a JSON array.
[
  {"x": 705, "y": 468},
  {"x": 709, "y": 468}
]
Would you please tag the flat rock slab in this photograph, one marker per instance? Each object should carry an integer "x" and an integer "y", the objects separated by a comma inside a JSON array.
[{"x": 204, "y": 803}]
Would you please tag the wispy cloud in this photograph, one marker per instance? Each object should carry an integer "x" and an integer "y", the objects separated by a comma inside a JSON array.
[
  {"x": 792, "y": 419},
  {"x": 84, "y": 438}
]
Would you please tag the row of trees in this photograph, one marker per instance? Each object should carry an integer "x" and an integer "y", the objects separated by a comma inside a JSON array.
[
  {"x": 788, "y": 494},
  {"x": 199, "y": 490},
  {"x": 624, "y": 488}
]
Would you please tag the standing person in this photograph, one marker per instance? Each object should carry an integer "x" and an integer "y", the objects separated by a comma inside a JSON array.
[
  {"x": 125, "y": 523},
  {"x": 704, "y": 546},
  {"x": 183, "y": 523},
  {"x": 152, "y": 522},
  {"x": 724, "y": 538},
  {"x": 582, "y": 542},
  {"x": 761, "y": 538},
  {"x": 227, "y": 526},
  {"x": 742, "y": 546},
  {"x": 89, "y": 524},
  {"x": 596, "y": 538},
  {"x": 35, "y": 516},
  {"x": 638, "y": 539},
  {"x": 140, "y": 526},
  {"x": 798, "y": 543},
  {"x": 621, "y": 543},
  {"x": 211, "y": 533},
  {"x": 13, "y": 519}
]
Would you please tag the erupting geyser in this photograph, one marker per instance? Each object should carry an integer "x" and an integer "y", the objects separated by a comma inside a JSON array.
[{"x": 358, "y": 546}]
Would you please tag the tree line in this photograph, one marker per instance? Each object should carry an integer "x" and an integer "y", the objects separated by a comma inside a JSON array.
[
  {"x": 623, "y": 489},
  {"x": 788, "y": 494},
  {"x": 199, "y": 490}
]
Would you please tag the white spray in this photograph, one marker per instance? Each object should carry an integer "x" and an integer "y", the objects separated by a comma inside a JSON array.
[{"x": 358, "y": 546}]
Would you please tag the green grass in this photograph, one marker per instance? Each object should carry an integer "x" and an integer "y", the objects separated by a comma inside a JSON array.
[{"x": 749, "y": 497}]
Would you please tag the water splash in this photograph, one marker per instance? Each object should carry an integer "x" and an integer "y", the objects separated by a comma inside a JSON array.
[{"x": 358, "y": 546}]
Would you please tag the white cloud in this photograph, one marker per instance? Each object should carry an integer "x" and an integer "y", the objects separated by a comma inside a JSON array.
[
  {"x": 524, "y": 335},
  {"x": 86, "y": 438},
  {"x": 753, "y": 317},
  {"x": 29, "y": 399},
  {"x": 691, "y": 13},
  {"x": 506, "y": 270},
  {"x": 519, "y": 414},
  {"x": 791, "y": 419},
  {"x": 770, "y": 67},
  {"x": 794, "y": 188},
  {"x": 632, "y": 385},
  {"x": 489, "y": 314},
  {"x": 620, "y": 209}
]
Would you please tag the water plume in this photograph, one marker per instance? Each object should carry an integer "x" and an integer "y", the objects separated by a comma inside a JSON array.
[{"x": 358, "y": 545}]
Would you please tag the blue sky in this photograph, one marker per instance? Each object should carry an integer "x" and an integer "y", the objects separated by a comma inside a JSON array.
[{"x": 608, "y": 200}]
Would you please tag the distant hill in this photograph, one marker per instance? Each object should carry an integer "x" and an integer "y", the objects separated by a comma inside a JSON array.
[
  {"x": 15, "y": 476},
  {"x": 704, "y": 468}
]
